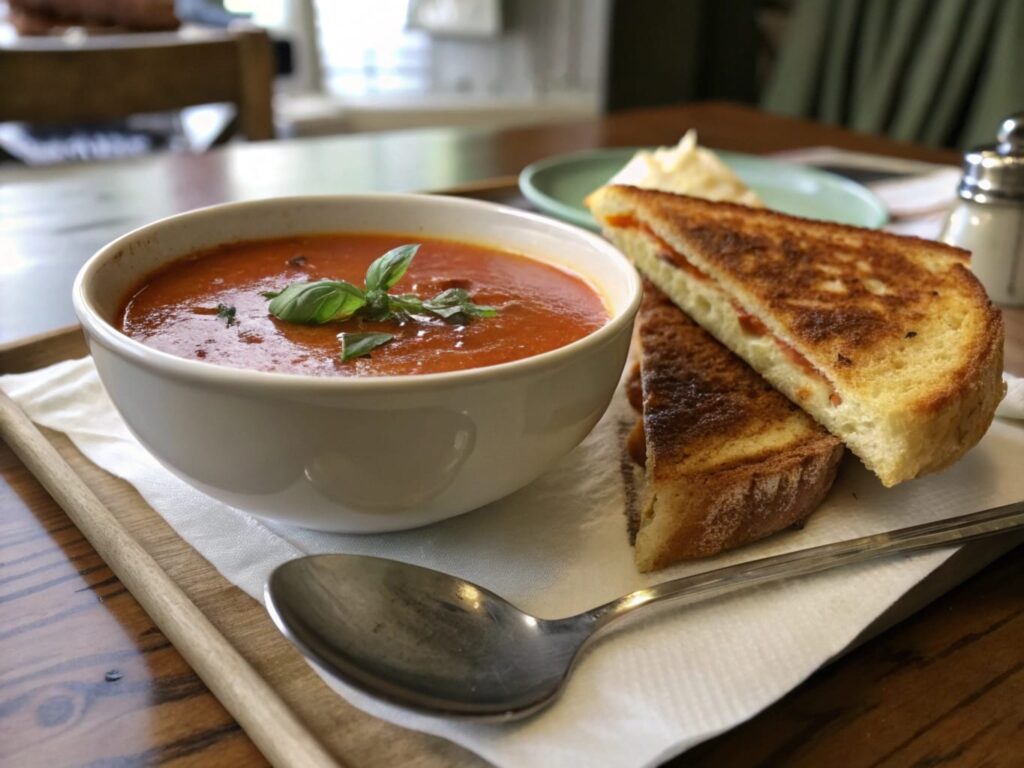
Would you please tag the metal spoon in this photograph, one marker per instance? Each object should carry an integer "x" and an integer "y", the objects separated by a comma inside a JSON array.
[{"x": 437, "y": 643}]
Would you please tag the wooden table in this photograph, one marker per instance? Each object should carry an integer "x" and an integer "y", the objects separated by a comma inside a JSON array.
[{"x": 86, "y": 678}]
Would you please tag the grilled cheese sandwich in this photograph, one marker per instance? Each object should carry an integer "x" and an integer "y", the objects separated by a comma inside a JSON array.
[{"x": 887, "y": 341}]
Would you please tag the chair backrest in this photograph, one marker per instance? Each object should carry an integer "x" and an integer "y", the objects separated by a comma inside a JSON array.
[{"x": 106, "y": 77}]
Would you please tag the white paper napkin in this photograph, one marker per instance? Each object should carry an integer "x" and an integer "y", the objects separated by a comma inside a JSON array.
[
  {"x": 917, "y": 202},
  {"x": 558, "y": 547},
  {"x": 920, "y": 195}
]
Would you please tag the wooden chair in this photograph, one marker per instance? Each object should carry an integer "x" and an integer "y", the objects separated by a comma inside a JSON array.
[{"x": 51, "y": 80}]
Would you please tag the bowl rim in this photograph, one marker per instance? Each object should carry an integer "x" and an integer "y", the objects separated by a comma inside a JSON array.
[{"x": 104, "y": 333}]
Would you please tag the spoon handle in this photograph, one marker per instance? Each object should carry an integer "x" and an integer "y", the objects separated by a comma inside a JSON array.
[{"x": 703, "y": 586}]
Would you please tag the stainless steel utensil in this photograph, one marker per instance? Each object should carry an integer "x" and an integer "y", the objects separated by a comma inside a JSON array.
[{"x": 440, "y": 644}]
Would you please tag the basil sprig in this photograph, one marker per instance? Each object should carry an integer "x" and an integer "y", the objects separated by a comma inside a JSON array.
[{"x": 326, "y": 301}]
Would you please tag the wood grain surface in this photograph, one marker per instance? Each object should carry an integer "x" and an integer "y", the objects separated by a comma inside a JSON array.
[
  {"x": 272, "y": 725},
  {"x": 86, "y": 678}
]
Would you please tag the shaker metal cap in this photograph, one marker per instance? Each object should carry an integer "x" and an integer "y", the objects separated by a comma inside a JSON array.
[{"x": 994, "y": 173}]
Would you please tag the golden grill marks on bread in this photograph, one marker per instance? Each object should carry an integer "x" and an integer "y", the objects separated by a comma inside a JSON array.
[
  {"x": 728, "y": 460},
  {"x": 889, "y": 342}
]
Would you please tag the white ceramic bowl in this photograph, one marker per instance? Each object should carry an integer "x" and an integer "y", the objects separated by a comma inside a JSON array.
[{"x": 358, "y": 454}]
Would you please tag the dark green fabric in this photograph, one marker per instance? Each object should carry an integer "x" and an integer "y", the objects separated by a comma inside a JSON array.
[{"x": 940, "y": 72}]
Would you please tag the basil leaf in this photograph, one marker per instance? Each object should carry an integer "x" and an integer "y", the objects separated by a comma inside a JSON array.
[
  {"x": 317, "y": 303},
  {"x": 404, "y": 305},
  {"x": 360, "y": 344},
  {"x": 389, "y": 268},
  {"x": 454, "y": 302},
  {"x": 224, "y": 312}
]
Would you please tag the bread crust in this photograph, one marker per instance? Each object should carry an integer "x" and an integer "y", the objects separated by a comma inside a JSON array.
[
  {"x": 728, "y": 459},
  {"x": 896, "y": 325},
  {"x": 722, "y": 511}
]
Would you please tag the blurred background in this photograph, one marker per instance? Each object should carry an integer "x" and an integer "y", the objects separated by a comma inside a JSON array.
[{"x": 98, "y": 79}]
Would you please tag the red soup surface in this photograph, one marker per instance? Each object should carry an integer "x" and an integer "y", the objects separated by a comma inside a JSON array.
[{"x": 540, "y": 307}]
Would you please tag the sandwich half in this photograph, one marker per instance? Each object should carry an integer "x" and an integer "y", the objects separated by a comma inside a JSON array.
[
  {"x": 889, "y": 342},
  {"x": 727, "y": 459}
]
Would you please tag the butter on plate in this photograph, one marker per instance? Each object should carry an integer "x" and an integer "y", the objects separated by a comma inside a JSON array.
[{"x": 686, "y": 169}]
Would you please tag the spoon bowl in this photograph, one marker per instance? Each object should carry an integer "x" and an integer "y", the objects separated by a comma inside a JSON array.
[{"x": 421, "y": 638}]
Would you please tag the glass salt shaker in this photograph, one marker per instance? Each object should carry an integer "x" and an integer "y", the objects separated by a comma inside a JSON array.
[{"x": 989, "y": 219}]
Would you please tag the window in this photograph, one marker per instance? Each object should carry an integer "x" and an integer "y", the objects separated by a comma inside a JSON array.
[{"x": 365, "y": 48}]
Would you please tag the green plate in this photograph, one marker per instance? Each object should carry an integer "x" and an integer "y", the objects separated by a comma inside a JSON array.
[{"x": 558, "y": 185}]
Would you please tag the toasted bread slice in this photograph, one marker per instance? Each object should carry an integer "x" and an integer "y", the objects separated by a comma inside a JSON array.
[
  {"x": 728, "y": 459},
  {"x": 890, "y": 342}
]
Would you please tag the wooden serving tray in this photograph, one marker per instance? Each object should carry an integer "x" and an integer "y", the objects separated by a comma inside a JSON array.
[{"x": 284, "y": 707}]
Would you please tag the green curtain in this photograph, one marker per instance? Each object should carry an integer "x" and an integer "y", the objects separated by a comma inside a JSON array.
[{"x": 939, "y": 72}]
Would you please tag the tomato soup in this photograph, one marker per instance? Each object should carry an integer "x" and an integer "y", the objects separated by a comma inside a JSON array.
[{"x": 209, "y": 306}]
